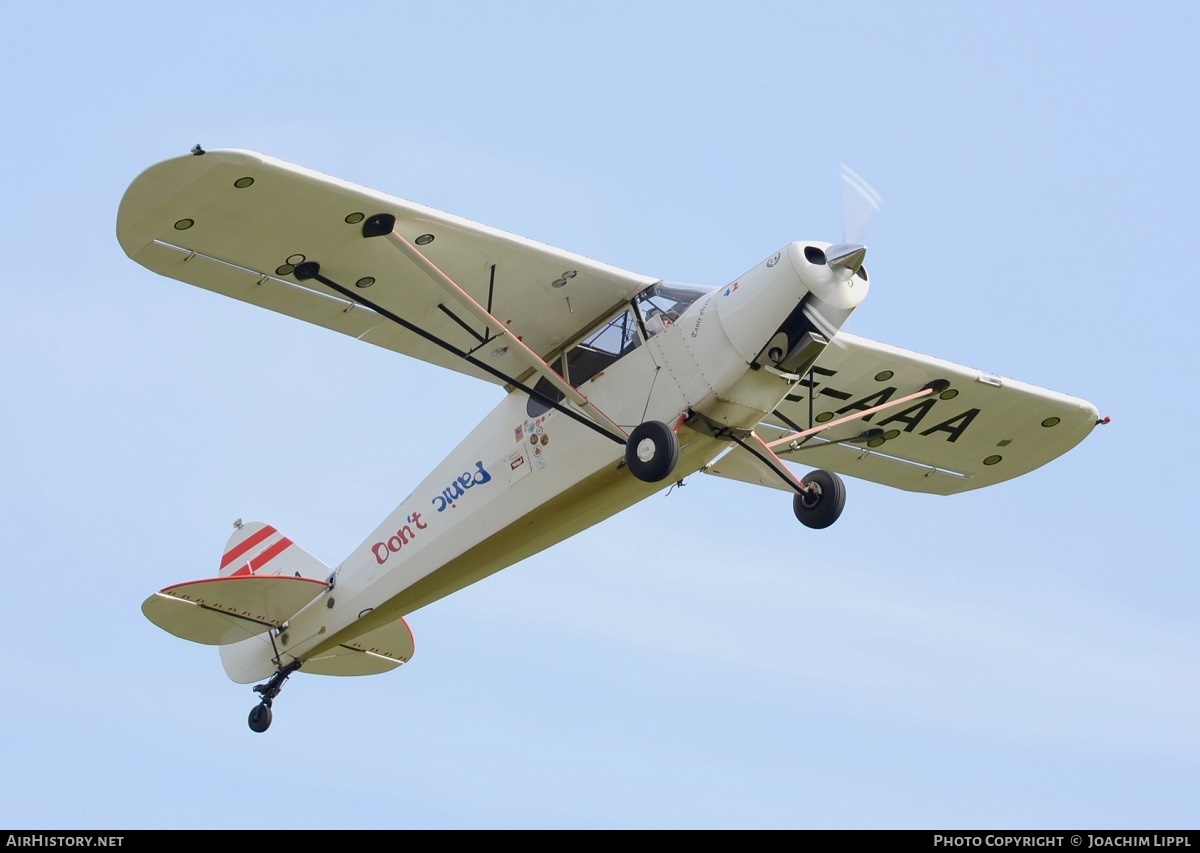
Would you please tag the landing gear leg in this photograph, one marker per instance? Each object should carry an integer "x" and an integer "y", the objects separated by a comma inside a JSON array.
[{"x": 260, "y": 714}]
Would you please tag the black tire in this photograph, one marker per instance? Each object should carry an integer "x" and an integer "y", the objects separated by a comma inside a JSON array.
[
  {"x": 260, "y": 718},
  {"x": 652, "y": 451},
  {"x": 822, "y": 505}
]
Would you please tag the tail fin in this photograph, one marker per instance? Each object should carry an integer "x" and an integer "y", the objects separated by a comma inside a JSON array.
[
  {"x": 264, "y": 579},
  {"x": 259, "y": 550}
]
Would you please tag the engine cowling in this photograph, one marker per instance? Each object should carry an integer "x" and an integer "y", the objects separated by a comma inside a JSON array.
[{"x": 806, "y": 287}]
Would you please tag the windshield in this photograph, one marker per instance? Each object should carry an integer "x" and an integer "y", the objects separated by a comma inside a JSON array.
[{"x": 663, "y": 303}]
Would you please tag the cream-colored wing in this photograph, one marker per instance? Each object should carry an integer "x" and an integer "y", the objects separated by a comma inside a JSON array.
[
  {"x": 239, "y": 223},
  {"x": 980, "y": 430}
]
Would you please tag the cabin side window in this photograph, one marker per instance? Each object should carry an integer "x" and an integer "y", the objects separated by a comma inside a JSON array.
[
  {"x": 655, "y": 308},
  {"x": 593, "y": 354},
  {"x": 587, "y": 359},
  {"x": 536, "y": 406}
]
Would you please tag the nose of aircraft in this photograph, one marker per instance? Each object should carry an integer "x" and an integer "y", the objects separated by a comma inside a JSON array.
[
  {"x": 845, "y": 259},
  {"x": 834, "y": 273}
]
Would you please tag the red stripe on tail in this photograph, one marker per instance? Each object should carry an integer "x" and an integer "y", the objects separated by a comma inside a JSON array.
[
  {"x": 256, "y": 565},
  {"x": 246, "y": 545}
]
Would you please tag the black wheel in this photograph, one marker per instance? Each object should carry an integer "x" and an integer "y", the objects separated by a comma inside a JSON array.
[
  {"x": 652, "y": 451},
  {"x": 822, "y": 503},
  {"x": 260, "y": 718}
]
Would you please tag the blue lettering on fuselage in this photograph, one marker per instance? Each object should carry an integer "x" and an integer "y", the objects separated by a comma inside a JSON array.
[{"x": 468, "y": 479}]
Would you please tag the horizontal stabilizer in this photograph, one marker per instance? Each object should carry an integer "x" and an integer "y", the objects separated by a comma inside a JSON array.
[
  {"x": 380, "y": 650},
  {"x": 216, "y": 611}
]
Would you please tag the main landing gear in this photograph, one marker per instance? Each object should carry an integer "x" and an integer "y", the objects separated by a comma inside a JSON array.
[
  {"x": 260, "y": 714},
  {"x": 652, "y": 451},
  {"x": 822, "y": 500}
]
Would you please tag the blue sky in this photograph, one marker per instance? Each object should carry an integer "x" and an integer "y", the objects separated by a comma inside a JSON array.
[{"x": 1021, "y": 657}]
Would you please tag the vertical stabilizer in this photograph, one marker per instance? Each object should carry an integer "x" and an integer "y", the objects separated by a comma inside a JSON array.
[{"x": 259, "y": 549}]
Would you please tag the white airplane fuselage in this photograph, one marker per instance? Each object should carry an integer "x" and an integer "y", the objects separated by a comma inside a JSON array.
[{"x": 528, "y": 477}]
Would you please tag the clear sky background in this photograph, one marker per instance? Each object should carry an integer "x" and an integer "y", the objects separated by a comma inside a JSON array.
[{"x": 1025, "y": 656}]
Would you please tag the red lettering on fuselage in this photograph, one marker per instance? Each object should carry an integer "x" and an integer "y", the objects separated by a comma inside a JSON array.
[{"x": 393, "y": 544}]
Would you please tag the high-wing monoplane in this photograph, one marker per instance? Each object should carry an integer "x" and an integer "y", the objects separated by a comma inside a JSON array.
[{"x": 618, "y": 385}]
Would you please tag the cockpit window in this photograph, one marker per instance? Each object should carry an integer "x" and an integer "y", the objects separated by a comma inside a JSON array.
[
  {"x": 612, "y": 339},
  {"x": 664, "y": 303},
  {"x": 601, "y": 348},
  {"x": 658, "y": 306}
]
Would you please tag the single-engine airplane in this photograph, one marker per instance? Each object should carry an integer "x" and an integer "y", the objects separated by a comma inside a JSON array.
[{"x": 618, "y": 385}]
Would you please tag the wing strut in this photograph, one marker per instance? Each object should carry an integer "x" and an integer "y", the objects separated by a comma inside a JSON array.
[
  {"x": 383, "y": 225},
  {"x": 764, "y": 451},
  {"x": 312, "y": 270},
  {"x": 794, "y": 440}
]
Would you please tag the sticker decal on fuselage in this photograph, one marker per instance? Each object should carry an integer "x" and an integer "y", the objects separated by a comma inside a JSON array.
[{"x": 518, "y": 464}]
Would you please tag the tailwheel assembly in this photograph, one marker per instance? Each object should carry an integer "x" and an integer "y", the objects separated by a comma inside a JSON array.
[{"x": 260, "y": 715}]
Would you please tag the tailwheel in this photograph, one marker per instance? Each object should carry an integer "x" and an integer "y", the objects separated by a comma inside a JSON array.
[
  {"x": 821, "y": 502},
  {"x": 260, "y": 715},
  {"x": 652, "y": 451}
]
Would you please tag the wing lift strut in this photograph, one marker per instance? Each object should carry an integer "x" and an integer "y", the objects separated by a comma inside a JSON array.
[
  {"x": 765, "y": 451},
  {"x": 383, "y": 225}
]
